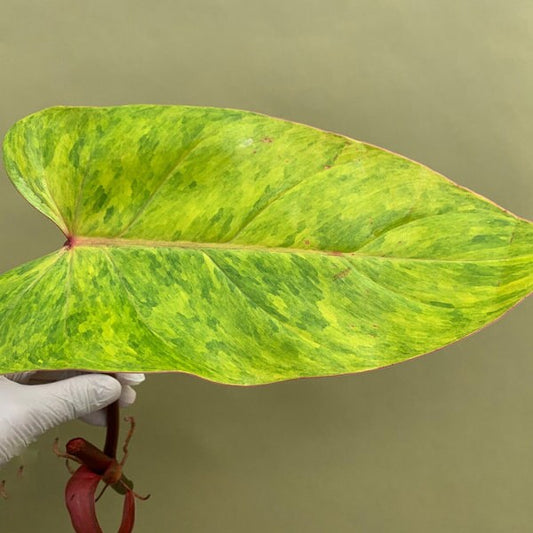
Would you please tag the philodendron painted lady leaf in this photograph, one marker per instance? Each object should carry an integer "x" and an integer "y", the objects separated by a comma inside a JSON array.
[{"x": 244, "y": 249}]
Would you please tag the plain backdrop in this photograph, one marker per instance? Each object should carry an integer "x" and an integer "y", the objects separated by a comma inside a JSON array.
[{"x": 441, "y": 444}]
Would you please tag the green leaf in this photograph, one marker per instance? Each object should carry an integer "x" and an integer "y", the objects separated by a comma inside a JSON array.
[{"x": 244, "y": 249}]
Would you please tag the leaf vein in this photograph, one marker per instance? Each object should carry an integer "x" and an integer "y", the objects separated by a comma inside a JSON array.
[
  {"x": 21, "y": 295},
  {"x": 264, "y": 309},
  {"x": 183, "y": 157},
  {"x": 68, "y": 279},
  {"x": 131, "y": 299},
  {"x": 282, "y": 194}
]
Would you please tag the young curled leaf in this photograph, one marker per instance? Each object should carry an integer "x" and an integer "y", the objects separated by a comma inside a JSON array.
[
  {"x": 80, "y": 499},
  {"x": 128, "y": 513}
]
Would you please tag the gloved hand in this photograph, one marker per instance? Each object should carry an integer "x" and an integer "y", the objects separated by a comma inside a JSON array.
[{"x": 34, "y": 402}]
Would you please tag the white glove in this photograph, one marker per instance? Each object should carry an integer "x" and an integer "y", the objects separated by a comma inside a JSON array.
[{"x": 34, "y": 402}]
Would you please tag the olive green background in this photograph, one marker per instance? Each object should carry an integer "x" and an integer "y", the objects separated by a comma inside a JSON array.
[{"x": 443, "y": 443}]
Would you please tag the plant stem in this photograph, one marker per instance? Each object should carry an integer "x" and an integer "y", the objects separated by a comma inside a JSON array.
[{"x": 113, "y": 426}]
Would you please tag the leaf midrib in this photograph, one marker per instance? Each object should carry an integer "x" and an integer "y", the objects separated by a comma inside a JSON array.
[{"x": 76, "y": 242}]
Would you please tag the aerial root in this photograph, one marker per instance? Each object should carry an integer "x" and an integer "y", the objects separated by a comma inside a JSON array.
[{"x": 65, "y": 456}]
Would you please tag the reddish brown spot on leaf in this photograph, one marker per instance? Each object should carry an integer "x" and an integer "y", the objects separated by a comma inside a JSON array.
[{"x": 342, "y": 273}]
